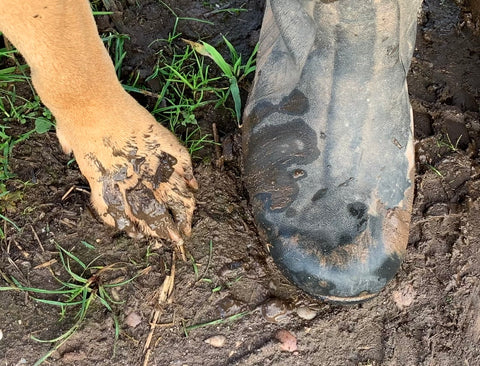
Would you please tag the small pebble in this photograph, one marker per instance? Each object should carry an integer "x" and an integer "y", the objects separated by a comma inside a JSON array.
[
  {"x": 288, "y": 340},
  {"x": 275, "y": 310},
  {"x": 216, "y": 341},
  {"x": 133, "y": 319},
  {"x": 404, "y": 297},
  {"x": 306, "y": 313},
  {"x": 1, "y": 335},
  {"x": 115, "y": 294}
]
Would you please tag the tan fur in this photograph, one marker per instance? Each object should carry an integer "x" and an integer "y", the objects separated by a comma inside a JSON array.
[{"x": 118, "y": 145}]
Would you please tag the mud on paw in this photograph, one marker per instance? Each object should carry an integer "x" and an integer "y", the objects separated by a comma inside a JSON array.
[{"x": 143, "y": 184}]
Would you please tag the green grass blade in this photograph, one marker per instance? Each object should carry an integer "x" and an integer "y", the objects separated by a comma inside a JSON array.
[
  {"x": 218, "y": 321},
  {"x": 103, "y": 301},
  {"x": 49, "y": 353},
  {"x": 197, "y": 20},
  {"x": 9, "y": 221},
  {"x": 252, "y": 59},
  {"x": 86, "y": 244},
  {"x": 76, "y": 277},
  {"x": 57, "y": 303},
  {"x": 95, "y": 13},
  {"x": 71, "y": 255},
  {"x": 218, "y": 59},
  {"x": 181, "y": 77},
  {"x": 67, "y": 334},
  {"x": 233, "y": 51},
  {"x": 236, "y": 98},
  {"x": 117, "y": 326},
  {"x": 39, "y": 290}
]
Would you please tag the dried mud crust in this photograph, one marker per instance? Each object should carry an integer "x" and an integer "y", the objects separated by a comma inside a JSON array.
[{"x": 428, "y": 315}]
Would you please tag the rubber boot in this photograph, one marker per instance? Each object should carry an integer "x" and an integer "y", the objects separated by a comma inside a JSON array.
[{"x": 327, "y": 141}]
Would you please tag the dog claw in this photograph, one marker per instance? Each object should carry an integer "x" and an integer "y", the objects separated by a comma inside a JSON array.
[{"x": 192, "y": 183}]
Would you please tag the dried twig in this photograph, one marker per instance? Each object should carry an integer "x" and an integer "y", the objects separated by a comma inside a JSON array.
[
  {"x": 164, "y": 294},
  {"x": 20, "y": 248},
  {"x": 218, "y": 152},
  {"x": 64, "y": 197},
  {"x": 37, "y": 238},
  {"x": 46, "y": 264}
]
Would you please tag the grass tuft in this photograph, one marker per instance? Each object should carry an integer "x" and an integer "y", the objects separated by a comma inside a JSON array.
[{"x": 82, "y": 288}]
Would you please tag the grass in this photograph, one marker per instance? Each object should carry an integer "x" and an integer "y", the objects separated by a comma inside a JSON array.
[
  {"x": 198, "y": 276},
  {"x": 3, "y": 197},
  {"x": 83, "y": 287},
  {"x": 447, "y": 142},
  {"x": 16, "y": 109},
  {"x": 114, "y": 42},
  {"x": 435, "y": 170},
  {"x": 228, "y": 319},
  {"x": 235, "y": 71},
  {"x": 188, "y": 84},
  {"x": 201, "y": 277}
]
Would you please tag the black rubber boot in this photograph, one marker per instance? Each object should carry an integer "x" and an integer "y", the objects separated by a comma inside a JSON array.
[{"x": 327, "y": 140}]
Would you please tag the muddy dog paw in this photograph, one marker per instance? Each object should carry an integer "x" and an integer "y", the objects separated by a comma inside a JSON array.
[{"x": 140, "y": 176}]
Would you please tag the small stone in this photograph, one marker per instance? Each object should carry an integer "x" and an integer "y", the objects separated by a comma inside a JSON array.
[
  {"x": 306, "y": 313},
  {"x": 115, "y": 294},
  {"x": 133, "y": 319},
  {"x": 216, "y": 341},
  {"x": 404, "y": 297},
  {"x": 1, "y": 334},
  {"x": 288, "y": 340},
  {"x": 275, "y": 311}
]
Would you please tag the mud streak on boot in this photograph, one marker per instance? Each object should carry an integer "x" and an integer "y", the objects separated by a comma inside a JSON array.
[{"x": 294, "y": 145}]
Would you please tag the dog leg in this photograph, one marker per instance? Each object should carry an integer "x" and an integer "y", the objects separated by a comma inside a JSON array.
[{"x": 140, "y": 175}]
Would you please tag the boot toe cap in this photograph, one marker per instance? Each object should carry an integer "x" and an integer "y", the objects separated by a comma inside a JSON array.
[
  {"x": 346, "y": 255},
  {"x": 349, "y": 274}
]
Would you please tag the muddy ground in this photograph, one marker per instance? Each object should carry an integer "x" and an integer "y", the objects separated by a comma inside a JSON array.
[{"x": 428, "y": 315}]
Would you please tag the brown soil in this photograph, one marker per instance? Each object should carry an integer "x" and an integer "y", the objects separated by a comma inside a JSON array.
[{"x": 428, "y": 315}]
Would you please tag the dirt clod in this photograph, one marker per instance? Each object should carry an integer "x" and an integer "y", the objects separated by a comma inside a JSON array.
[{"x": 288, "y": 342}]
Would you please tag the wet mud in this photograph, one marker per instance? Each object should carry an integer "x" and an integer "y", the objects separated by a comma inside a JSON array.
[{"x": 429, "y": 314}]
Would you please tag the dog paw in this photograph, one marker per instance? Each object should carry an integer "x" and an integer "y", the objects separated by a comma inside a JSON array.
[{"x": 140, "y": 176}]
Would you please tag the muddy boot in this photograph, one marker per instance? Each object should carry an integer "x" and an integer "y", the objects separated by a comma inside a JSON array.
[{"x": 328, "y": 142}]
